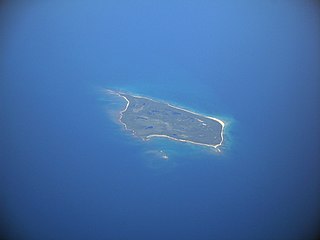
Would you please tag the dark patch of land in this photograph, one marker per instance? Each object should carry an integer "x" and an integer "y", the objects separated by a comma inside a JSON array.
[{"x": 148, "y": 118}]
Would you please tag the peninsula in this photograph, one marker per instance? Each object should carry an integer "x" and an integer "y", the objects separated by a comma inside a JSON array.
[{"x": 147, "y": 118}]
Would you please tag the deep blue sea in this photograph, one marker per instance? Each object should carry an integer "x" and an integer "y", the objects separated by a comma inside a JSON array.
[{"x": 68, "y": 169}]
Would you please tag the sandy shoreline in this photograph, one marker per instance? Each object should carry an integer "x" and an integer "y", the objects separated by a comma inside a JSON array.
[{"x": 166, "y": 136}]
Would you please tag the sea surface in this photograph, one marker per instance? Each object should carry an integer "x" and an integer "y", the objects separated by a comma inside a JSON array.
[{"x": 68, "y": 168}]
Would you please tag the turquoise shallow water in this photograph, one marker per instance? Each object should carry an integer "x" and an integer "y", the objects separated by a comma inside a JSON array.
[{"x": 70, "y": 171}]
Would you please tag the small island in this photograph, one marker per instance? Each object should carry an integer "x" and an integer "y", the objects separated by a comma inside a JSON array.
[{"x": 147, "y": 118}]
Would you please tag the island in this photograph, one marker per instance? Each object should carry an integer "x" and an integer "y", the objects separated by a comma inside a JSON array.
[{"x": 147, "y": 118}]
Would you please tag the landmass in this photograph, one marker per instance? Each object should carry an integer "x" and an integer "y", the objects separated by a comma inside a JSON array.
[{"x": 147, "y": 118}]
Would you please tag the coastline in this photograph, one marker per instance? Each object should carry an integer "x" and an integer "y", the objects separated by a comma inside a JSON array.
[
  {"x": 125, "y": 109},
  {"x": 166, "y": 136}
]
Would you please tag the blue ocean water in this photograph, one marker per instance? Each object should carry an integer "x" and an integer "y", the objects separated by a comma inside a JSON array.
[{"x": 70, "y": 171}]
